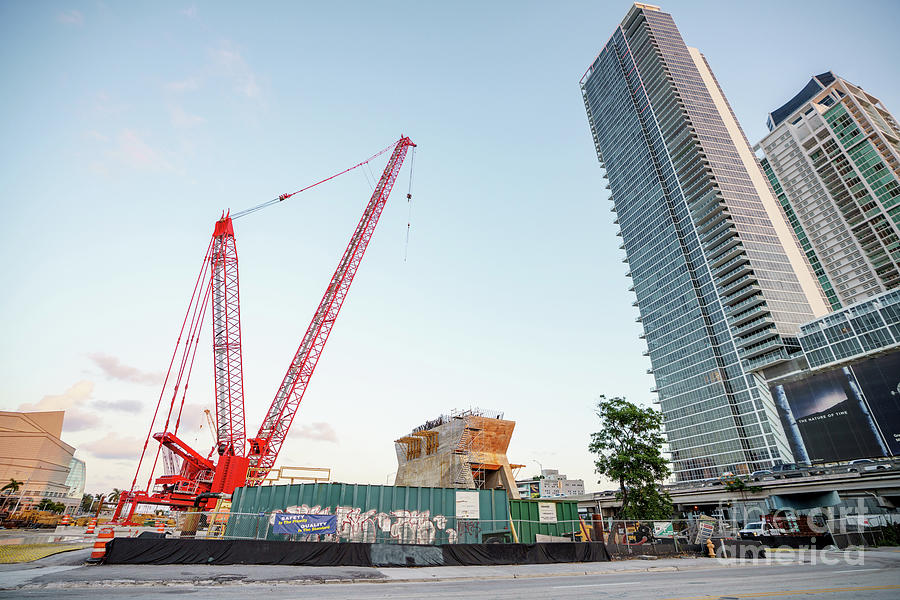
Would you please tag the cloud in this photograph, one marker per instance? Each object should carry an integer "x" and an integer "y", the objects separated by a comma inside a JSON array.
[
  {"x": 113, "y": 369},
  {"x": 113, "y": 446},
  {"x": 131, "y": 406},
  {"x": 187, "y": 85},
  {"x": 190, "y": 12},
  {"x": 136, "y": 153},
  {"x": 243, "y": 78},
  {"x": 70, "y": 17},
  {"x": 180, "y": 118},
  {"x": 73, "y": 401},
  {"x": 322, "y": 432}
]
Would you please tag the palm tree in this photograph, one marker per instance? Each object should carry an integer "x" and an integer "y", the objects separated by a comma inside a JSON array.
[
  {"x": 9, "y": 489},
  {"x": 113, "y": 496},
  {"x": 46, "y": 504}
]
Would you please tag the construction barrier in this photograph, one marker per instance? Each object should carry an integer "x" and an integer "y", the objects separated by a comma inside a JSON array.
[
  {"x": 66, "y": 521},
  {"x": 262, "y": 552},
  {"x": 90, "y": 528},
  {"x": 99, "y": 551},
  {"x": 160, "y": 526}
]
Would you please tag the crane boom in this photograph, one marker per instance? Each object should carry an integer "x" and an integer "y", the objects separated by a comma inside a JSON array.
[
  {"x": 227, "y": 364},
  {"x": 265, "y": 446}
]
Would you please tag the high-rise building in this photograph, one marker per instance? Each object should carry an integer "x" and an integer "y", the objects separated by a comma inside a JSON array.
[
  {"x": 721, "y": 282},
  {"x": 833, "y": 157}
]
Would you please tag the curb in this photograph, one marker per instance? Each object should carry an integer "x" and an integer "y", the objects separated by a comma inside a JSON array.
[{"x": 211, "y": 582}]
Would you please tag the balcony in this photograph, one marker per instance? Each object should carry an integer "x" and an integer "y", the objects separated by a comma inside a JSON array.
[
  {"x": 758, "y": 320},
  {"x": 736, "y": 308},
  {"x": 735, "y": 284},
  {"x": 732, "y": 275},
  {"x": 760, "y": 349},
  {"x": 741, "y": 294},
  {"x": 724, "y": 252},
  {"x": 717, "y": 217},
  {"x": 757, "y": 337},
  {"x": 767, "y": 360},
  {"x": 725, "y": 266}
]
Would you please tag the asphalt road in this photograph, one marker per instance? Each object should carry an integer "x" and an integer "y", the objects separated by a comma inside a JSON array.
[{"x": 878, "y": 576}]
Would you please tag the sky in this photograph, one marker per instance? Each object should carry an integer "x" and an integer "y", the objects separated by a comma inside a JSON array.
[{"x": 128, "y": 128}]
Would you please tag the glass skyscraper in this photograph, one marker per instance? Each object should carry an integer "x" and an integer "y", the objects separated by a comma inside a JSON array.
[
  {"x": 721, "y": 282},
  {"x": 833, "y": 158}
]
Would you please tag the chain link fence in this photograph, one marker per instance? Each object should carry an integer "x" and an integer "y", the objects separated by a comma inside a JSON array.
[{"x": 622, "y": 538}]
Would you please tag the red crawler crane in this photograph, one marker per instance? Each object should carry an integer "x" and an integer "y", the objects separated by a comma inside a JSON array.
[{"x": 195, "y": 480}]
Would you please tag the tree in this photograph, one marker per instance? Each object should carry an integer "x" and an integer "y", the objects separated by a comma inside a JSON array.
[
  {"x": 9, "y": 489},
  {"x": 113, "y": 496},
  {"x": 628, "y": 448},
  {"x": 46, "y": 504},
  {"x": 12, "y": 487},
  {"x": 87, "y": 501}
]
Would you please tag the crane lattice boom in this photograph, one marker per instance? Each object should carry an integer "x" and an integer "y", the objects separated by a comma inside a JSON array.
[{"x": 265, "y": 446}]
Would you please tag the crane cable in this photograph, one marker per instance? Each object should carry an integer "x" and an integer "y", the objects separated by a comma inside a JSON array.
[
  {"x": 412, "y": 164},
  {"x": 284, "y": 197}
]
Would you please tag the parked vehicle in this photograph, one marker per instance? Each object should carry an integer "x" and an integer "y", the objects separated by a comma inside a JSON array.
[
  {"x": 866, "y": 464},
  {"x": 753, "y": 530},
  {"x": 786, "y": 470},
  {"x": 761, "y": 474}
]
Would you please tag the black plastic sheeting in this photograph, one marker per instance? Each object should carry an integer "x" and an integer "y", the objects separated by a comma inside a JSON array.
[
  {"x": 144, "y": 551},
  {"x": 138, "y": 551},
  {"x": 524, "y": 554}
]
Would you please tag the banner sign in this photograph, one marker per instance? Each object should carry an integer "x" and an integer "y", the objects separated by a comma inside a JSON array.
[
  {"x": 467, "y": 505},
  {"x": 306, "y": 524},
  {"x": 663, "y": 529},
  {"x": 547, "y": 512},
  {"x": 705, "y": 530}
]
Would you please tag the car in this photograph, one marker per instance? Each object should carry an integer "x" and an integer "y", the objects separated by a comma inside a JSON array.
[
  {"x": 785, "y": 470},
  {"x": 866, "y": 465},
  {"x": 761, "y": 474},
  {"x": 752, "y": 530}
]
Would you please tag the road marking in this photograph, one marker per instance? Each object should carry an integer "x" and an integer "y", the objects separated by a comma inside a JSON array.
[
  {"x": 855, "y": 570},
  {"x": 790, "y": 592},
  {"x": 563, "y": 587}
]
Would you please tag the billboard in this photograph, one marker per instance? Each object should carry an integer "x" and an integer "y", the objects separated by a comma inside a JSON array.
[
  {"x": 879, "y": 380},
  {"x": 844, "y": 413}
]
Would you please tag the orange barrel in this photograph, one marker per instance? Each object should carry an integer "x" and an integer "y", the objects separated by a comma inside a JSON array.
[
  {"x": 66, "y": 521},
  {"x": 90, "y": 527},
  {"x": 160, "y": 526},
  {"x": 106, "y": 534}
]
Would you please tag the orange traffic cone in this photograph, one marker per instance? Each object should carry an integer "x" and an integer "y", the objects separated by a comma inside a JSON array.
[
  {"x": 160, "y": 526},
  {"x": 90, "y": 527},
  {"x": 66, "y": 521},
  {"x": 99, "y": 551}
]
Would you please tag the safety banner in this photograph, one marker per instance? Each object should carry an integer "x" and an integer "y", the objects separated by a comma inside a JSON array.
[{"x": 306, "y": 524}]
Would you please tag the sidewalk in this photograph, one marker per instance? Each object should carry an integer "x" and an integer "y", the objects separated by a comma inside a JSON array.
[{"x": 67, "y": 571}]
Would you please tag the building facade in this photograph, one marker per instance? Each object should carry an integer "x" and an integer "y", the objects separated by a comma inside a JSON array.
[
  {"x": 721, "y": 282},
  {"x": 551, "y": 484},
  {"x": 32, "y": 452},
  {"x": 846, "y": 403},
  {"x": 833, "y": 157}
]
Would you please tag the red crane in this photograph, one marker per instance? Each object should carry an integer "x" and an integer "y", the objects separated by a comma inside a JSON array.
[{"x": 198, "y": 480}]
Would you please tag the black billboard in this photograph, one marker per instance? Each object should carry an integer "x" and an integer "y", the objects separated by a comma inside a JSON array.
[
  {"x": 844, "y": 413},
  {"x": 879, "y": 379}
]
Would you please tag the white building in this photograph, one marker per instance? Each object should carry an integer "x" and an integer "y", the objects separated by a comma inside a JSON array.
[{"x": 551, "y": 485}]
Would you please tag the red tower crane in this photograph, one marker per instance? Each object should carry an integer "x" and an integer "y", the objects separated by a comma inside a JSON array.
[{"x": 199, "y": 480}]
